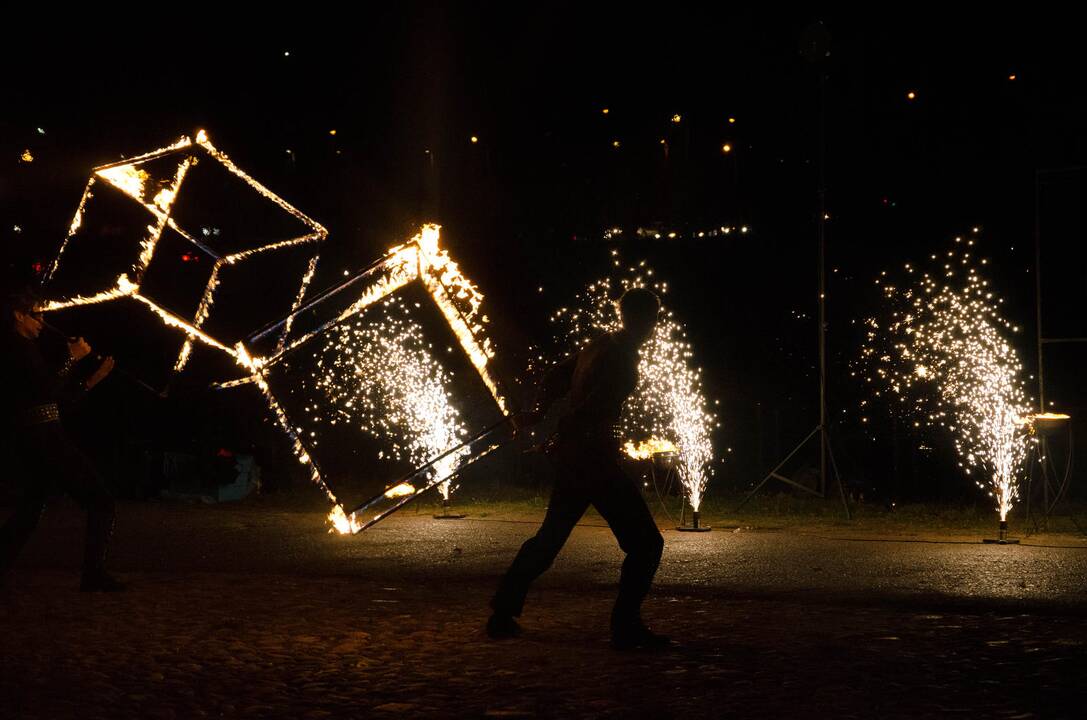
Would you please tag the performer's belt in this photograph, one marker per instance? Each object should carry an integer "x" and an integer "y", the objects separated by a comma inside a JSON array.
[{"x": 40, "y": 414}]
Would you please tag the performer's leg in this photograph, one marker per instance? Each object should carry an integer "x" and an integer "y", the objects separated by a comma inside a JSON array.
[
  {"x": 622, "y": 505},
  {"x": 568, "y": 503},
  {"x": 83, "y": 483}
]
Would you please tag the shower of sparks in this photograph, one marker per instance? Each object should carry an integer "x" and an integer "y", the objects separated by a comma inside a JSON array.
[
  {"x": 943, "y": 359},
  {"x": 380, "y": 376},
  {"x": 667, "y": 411}
]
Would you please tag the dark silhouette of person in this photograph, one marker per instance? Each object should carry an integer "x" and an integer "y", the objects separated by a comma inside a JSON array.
[
  {"x": 585, "y": 452},
  {"x": 46, "y": 461}
]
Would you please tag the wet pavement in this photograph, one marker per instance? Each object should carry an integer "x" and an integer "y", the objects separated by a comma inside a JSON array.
[{"x": 255, "y": 612}]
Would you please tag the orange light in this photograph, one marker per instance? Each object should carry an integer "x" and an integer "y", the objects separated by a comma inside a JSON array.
[
  {"x": 911, "y": 95},
  {"x": 474, "y": 139},
  {"x": 605, "y": 111},
  {"x": 726, "y": 148}
]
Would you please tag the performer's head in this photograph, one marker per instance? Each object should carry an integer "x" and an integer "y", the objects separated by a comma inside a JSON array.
[
  {"x": 22, "y": 314},
  {"x": 639, "y": 308}
]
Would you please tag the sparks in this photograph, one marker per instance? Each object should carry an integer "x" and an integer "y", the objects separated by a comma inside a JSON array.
[
  {"x": 379, "y": 375},
  {"x": 943, "y": 359}
]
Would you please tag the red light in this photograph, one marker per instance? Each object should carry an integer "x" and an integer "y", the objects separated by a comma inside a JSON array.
[{"x": 37, "y": 267}]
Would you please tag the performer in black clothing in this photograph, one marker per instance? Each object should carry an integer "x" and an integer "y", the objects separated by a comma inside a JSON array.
[
  {"x": 45, "y": 458},
  {"x": 585, "y": 452}
]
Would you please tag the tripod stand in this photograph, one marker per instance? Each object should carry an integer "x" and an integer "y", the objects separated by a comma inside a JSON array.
[{"x": 815, "y": 46}]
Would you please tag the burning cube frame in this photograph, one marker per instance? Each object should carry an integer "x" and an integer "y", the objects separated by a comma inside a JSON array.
[
  {"x": 158, "y": 198},
  {"x": 420, "y": 260}
]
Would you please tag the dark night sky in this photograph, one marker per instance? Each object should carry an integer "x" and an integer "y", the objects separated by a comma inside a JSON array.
[{"x": 528, "y": 203}]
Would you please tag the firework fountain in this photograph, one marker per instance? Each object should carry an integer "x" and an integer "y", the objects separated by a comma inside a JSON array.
[
  {"x": 380, "y": 374},
  {"x": 666, "y": 416},
  {"x": 943, "y": 359}
]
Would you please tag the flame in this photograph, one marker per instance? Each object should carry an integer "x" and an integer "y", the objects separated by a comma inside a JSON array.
[
  {"x": 129, "y": 179},
  {"x": 401, "y": 490},
  {"x": 343, "y": 523},
  {"x": 646, "y": 449}
]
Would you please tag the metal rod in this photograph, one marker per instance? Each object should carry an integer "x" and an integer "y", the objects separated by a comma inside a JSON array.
[
  {"x": 411, "y": 498},
  {"x": 1038, "y": 287},
  {"x": 276, "y": 324},
  {"x": 777, "y": 467},
  {"x": 823, "y": 439},
  {"x": 430, "y": 463}
]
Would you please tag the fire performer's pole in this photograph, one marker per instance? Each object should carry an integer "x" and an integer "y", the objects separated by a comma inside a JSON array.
[{"x": 429, "y": 464}]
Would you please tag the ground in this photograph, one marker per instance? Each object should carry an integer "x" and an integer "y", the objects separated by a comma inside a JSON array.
[{"x": 252, "y": 610}]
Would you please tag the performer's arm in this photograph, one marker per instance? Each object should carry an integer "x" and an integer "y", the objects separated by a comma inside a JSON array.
[{"x": 71, "y": 389}]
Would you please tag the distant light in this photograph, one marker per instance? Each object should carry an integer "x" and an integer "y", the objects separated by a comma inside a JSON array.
[
  {"x": 977, "y": 229},
  {"x": 743, "y": 229},
  {"x": 657, "y": 236},
  {"x": 605, "y": 111},
  {"x": 17, "y": 229},
  {"x": 41, "y": 131},
  {"x": 672, "y": 235},
  {"x": 474, "y": 139},
  {"x": 726, "y": 148},
  {"x": 26, "y": 157},
  {"x": 286, "y": 53},
  {"x": 732, "y": 121},
  {"x": 1011, "y": 77},
  {"x": 677, "y": 118},
  {"x": 663, "y": 141},
  {"x": 701, "y": 234},
  {"x": 615, "y": 143},
  {"x": 332, "y": 131},
  {"x": 911, "y": 95}
]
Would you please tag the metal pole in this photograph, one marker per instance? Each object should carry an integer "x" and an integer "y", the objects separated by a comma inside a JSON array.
[
  {"x": 823, "y": 439},
  {"x": 1038, "y": 287}
]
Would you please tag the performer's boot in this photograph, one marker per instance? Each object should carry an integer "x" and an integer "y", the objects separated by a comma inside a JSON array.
[
  {"x": 628, "y": 632},
  {"x": 501, "y": 626},
  {"x": 99, "y": 531}
]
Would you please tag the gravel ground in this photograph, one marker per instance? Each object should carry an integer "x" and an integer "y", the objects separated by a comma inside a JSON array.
[{"x": 252, "y": 611}]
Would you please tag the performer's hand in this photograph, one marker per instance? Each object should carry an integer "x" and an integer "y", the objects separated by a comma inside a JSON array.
[
  {"x": 101, "y": 373},
  {"x": 78, "y": 349}
]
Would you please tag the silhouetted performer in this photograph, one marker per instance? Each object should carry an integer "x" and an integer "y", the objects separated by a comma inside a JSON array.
[
  {"x": 46, "y": 461},
  {"x": 585, "y": 452}
]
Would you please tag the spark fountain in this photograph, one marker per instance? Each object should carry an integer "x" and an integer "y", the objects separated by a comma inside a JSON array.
[
  {"x": 381, "y": 375},
  {"x": 943, "y": 360},
  {"x": 665, "y": 419}
]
